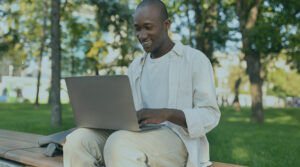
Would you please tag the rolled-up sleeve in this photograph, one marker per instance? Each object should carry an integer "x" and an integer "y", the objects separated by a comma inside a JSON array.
[{"x": 205, "y": 114}]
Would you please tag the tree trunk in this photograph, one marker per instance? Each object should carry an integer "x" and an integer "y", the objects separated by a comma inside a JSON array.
[
  {"x": 253, "y": 69},
  {"x": 236, "y": 101},
  {"x": 43, "y": 38},
  {"x": 55, "y": 76},
  {"x": 49, "y": 92},
  {"x": 72, "y": 63},
  {"x": 247, "y": 17},
  {"x": 96, "y": 69}
]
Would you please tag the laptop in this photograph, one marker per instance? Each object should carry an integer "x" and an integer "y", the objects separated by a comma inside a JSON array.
[{"x": 104, "y": 102}]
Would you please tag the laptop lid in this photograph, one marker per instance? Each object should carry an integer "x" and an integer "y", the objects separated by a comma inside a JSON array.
[{"x": 103, "y": 102}]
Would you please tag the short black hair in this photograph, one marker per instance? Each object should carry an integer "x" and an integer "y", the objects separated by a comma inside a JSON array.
[{"x": 159, "y": 4}]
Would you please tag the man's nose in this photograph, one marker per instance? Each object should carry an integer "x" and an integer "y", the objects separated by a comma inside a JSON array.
[{"x": 142, "y": 35}]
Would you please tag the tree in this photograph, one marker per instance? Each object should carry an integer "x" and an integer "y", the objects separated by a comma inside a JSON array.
[
  {"x": 248, "y": 12},
  {"x": 236, "y": 101},
  {"x": 114, "y": 17},
  {"x": 208, "y": 30},
  {"x": 75, "y": 34},
  {"x": 289, "y": 18},
  {"x": 113, "y": 31},
  {"x": 238, "y": 81},
  {"x": 12, "y": 36},
  {"x": 22, "y": 43},
  {"x": 262, "y": 27},
  {"x": 43, "y": 38},
  {"x": 55, "y": 52}
]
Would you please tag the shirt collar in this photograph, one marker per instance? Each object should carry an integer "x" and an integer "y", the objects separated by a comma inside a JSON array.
[{"x": 177, "y": 49}]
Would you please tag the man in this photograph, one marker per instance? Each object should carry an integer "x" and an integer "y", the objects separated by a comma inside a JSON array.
[{"x": 171, "y": 84}]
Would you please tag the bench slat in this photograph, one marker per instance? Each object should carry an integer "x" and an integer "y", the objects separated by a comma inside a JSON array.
[
  {"x": 23, "y": 147},
  {"x": 219, "y": 164},
  {"x": 27, "y": 137},
  {"x": 13, "y": 144},
  {"x": 34, "y": 158},
  {"x": 8, "y": 144}
]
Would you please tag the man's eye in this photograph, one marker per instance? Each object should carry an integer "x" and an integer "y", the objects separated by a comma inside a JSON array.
[
  {"x": 137, "y": 28},
  {"x": 148, "y": 27}
]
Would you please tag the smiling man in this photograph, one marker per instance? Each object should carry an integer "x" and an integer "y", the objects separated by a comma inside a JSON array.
[{"x": 172, "y": 84}]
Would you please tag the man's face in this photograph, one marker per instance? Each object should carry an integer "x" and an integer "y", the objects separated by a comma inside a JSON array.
[{"x": 151, "y": 30}]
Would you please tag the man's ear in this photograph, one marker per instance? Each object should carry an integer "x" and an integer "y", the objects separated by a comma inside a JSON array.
[{"x": 168, "y": 23}]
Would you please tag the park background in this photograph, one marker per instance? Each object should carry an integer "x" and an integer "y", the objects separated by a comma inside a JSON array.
[{"x": 253, "y": 46}]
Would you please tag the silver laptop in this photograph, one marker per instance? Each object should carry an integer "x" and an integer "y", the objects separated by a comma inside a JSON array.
[{"x": 103, "y": 102}]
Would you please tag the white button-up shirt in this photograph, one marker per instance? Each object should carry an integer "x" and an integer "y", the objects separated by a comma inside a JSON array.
[{"x": 192, "y": 90}]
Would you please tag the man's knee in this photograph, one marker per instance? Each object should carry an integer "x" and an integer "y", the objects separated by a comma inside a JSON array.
[
  {"x": 122, "y": 148},
  {"x": 118, "y": 141},
  {"x": 84, "y": 147},
  {"x": 80, "y": 138}
]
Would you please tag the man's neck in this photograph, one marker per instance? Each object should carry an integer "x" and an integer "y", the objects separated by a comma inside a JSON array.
[{"x": 165, "y": 48}]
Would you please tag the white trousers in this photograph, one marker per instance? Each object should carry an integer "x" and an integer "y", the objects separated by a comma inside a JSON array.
[{"x": 153, "y": 148}]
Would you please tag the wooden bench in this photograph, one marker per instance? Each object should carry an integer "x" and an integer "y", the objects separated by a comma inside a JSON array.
[{"x": 23, "y": 148}]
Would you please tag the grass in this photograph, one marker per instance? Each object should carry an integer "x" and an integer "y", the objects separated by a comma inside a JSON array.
[
  {"x": 274, "y": 143},
  {"x": 235, "y": 140},
  {"x": 27, "y": 118}
]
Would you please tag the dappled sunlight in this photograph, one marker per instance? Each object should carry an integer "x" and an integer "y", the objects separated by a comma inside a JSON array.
[
  {"x": 285, "y": 119},
  {"x": 284, "y": 116},
  {"x": 234, "y": 116},
  {"x": 238, "y": 119},
  {"x": 240, "y": 153},
  {"x": 252, "y": 144}
]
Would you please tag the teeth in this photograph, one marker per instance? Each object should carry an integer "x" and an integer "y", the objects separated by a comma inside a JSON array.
[{"x": 147, "y": 42}]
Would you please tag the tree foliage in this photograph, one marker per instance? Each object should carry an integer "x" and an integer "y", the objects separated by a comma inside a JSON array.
[
  {"x": 114, "y": 18},
  {"x": 281, "y": 85},
  {"x": 12, "y": 41},
  {"x": 91, "y": 29},
  {"x": 206, "y": 22}
]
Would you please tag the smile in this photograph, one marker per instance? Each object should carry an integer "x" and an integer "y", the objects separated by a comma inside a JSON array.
[{"x": 147, "y": 43}]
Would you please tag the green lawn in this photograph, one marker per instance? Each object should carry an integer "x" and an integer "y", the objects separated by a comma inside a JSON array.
[
  {"x": 276, "y": 143},
  {"x": 27, "y": 118},
  {"x": 235, "y": 140}
]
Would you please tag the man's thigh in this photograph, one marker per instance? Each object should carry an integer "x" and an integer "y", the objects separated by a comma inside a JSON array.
[
  {"x": 160, "y": 147},
  {"x": 84, "y": 147}
]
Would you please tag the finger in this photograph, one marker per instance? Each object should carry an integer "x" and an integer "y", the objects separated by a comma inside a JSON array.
[
  {"x": 153, "y": 121},
  {"x": 145, "y": 122},
  {"x": 142, "y": 123},
  {"x": 148, "y": 121},
  {"x": 141, "y": 120}
]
